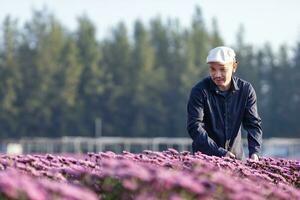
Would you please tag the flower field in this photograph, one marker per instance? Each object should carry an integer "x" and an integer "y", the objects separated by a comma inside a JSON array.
[{"x": 149, "y": 175}]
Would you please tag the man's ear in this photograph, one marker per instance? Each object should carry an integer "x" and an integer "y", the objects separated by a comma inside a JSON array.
[{"x": 235, "y": 65}]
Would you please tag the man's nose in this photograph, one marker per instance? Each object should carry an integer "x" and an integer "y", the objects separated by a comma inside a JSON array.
[{"x": 218, "y": 74}]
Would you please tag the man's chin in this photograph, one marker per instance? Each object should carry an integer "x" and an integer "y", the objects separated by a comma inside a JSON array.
[{"x": 219, "y": 83}]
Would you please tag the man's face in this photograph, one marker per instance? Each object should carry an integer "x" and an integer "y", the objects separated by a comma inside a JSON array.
[{"x": 221, "y": 74}]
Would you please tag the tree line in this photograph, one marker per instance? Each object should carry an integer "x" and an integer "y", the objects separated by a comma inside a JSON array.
[{"x": 56, "y": 82}]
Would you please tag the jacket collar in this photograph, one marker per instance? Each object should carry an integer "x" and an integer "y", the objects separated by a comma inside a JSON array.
[{"x": 233, "y": 87}]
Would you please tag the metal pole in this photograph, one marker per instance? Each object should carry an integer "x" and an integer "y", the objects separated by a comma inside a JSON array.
[{"x": 98, "y": 127}]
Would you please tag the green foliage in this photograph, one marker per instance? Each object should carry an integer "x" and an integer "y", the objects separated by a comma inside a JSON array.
[
  {"x": 55, "y": 82},
  {"x": 10, "y": 77},
  {"x": 90, "y": 87}
]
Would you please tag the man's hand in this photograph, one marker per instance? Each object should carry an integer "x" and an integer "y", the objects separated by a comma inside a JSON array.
[
  {"x": 230, "y": 155},
  {"x": 254, "y": 157}
]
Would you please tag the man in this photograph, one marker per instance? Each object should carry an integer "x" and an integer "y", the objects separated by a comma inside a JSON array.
[{"x": 219, "y": 105}]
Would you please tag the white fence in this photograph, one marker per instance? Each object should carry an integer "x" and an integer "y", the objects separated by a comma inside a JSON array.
[
  {"x": 275, "y": 147},
  {"x": 85, "y": 144}
]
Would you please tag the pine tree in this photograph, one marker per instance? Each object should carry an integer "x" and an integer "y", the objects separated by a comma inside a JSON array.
[
  {"x": 91, "y": 86},
  {"x": 10, "y": 79}
]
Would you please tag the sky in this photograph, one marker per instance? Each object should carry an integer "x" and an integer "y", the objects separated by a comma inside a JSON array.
[{"x": 273, "y": 21}]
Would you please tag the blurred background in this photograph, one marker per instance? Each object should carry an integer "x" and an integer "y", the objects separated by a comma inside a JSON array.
[{"x": 90, "y": 75}]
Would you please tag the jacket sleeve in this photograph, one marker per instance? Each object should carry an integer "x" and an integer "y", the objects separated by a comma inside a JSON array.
[
  {"x": 252, "y": 124},
  {"x": 195, "y": 127}
]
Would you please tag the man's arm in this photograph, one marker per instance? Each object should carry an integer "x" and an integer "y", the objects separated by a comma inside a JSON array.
[
  {"x": 252, "y": 124},
  {"x": 195, "y": 126}
]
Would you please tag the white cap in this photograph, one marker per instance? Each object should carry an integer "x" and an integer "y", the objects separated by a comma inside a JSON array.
[{"x": 221, "y": 55}]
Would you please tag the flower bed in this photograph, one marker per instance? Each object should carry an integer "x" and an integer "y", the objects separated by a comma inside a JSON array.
[{"x": 148, "y": 175}]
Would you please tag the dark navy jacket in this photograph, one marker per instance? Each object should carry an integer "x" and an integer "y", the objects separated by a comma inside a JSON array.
[{"x": 214, "y": 120}]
